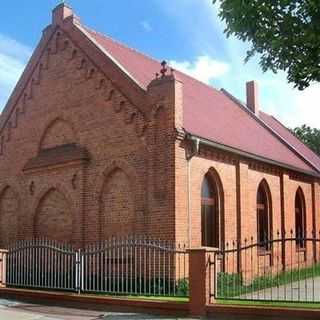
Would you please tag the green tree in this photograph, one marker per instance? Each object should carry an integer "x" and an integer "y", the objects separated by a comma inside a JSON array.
[
  {"x": 285, "y": 33},
  {"x": 310, "y": 136}
]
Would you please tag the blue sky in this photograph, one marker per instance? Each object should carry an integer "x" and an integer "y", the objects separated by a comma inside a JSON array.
[{"x": 187, "y": 33}]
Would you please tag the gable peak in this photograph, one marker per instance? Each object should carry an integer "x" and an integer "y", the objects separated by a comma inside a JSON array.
[{"x": 62, "y": 12}]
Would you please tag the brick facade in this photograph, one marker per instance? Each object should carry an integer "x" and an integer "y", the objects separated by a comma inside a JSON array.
[{"x": 87, "y": 154}]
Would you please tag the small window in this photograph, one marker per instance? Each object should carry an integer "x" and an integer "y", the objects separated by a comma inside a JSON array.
[
  {"x": 263, "y": 217},
  {"x": 300, "y": 219},
  {"x": 210, "y": 222}
]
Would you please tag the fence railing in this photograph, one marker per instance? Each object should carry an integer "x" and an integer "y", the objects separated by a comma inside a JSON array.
[
  {"x": 43, "y": 264},
  {"x": 285, "y": 268},
  {"x": 126, "y": 266}
]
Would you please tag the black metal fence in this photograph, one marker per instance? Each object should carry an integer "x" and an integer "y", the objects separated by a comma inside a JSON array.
[
  {"x": 285, "y": 268},
  {"x": 124, "y": 266}
]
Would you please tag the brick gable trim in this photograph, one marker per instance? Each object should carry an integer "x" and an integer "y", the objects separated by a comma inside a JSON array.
[
  {"x": 134, "y": 96},
  {"x": 20, "y": 89}
]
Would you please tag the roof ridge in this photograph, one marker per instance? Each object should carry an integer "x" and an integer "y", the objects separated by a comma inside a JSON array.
[{"x": 119, "y": 43}]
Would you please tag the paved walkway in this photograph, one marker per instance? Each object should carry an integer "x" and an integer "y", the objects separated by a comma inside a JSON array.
[
  {"x": 11, "y": 310},
  {"x": 304, "y": 290}
]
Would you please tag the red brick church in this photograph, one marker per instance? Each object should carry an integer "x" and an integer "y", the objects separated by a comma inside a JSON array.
[{"x": 98, "y": 140}]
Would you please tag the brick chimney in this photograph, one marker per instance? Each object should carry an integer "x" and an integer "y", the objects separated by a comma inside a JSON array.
[
  {"x": 253, "y": 97},
  {"x": 60, "y": 13}
]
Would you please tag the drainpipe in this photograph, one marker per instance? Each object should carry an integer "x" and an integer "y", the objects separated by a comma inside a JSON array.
[{"x": 194, "y": 150}]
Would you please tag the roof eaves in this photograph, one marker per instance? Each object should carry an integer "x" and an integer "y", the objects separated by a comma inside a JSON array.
[
  {"x": 115, "y": 61},
  {"x": 276, "y": 134},
  {"x": 248, "y": 154}
]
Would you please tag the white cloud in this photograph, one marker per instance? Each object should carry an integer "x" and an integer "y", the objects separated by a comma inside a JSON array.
[
  {"x": 203, "y": 68},
  {"x": 306, "y": 107},
  {"x": 13, "y": 58},
  {"x": 146, "y": 25}
]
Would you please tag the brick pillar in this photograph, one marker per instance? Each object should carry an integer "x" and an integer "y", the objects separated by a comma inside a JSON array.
[
  {"x": 199, "y": 281},
  {"x": 3, "y": 257}
]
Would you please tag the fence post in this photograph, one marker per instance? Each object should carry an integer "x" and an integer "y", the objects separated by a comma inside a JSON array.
[
  {"x": 199, "y": 281},
  {"x": 78, "y": 271},
  {"x": 3, "y": 262}
]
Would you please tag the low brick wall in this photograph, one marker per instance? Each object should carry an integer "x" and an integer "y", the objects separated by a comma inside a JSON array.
[
  {"x": 150, "y": 306},
  {"x": 97, "y": 302},
  {"x": 281, "y": 312}
]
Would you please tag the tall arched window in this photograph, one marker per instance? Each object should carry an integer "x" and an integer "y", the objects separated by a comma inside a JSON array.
[
  {"x": 263, "y": 215},
  {"x": 210, "y": 215},
  {"x": 300, "y": 219}
]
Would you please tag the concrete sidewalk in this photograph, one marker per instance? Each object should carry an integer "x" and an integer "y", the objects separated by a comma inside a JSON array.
[
  {"x": 307, "y": 290},
  {"x": 12, "y": 310}
]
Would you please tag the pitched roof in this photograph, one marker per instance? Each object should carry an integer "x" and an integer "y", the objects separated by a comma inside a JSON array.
[
  {"x": 210, "y": 114},
  {"x": 284, "y": 132}
]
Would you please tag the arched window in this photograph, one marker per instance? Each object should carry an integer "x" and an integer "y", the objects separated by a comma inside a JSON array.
[
  {"x": 263, "y": 215},
  {"x": 300, "y": 219},
  {"x": 210, "y": 215}
]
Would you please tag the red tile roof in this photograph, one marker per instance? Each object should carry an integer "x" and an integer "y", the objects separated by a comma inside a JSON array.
[
  {"x": 210, "y": 114},
  {"x": 284, "y": 132}
]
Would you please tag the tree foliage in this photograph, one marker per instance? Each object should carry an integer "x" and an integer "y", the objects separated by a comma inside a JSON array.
[
  {"x": 309, "y": 136},
  {"x": 286, "y": 34}
]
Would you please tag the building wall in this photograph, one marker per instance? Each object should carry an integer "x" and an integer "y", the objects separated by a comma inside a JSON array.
[
  {"x": 190, "y": 222},
  {"x": 240, "y": 179},
  {"x": 137, "y": 179},
  {"x": 126, "y": 186}
]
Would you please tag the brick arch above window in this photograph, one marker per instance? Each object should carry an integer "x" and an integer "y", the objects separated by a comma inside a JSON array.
[
  {"x": 58, "y": 145},
  {"x": 118, "y": 215},
  {"x": 53, "y": 215},
  {"x": 56, "y": 133},
  {"x": 9, "y": 215},
  {"x": 136, "y": 181}
]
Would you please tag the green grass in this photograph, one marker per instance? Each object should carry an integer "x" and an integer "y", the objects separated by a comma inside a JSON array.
[
  {"x": 161, "y": 298},
  {"x": 297, "y": 305},
  {"x": 142, "y": 297},
  {"x": 231, "y": 285}
]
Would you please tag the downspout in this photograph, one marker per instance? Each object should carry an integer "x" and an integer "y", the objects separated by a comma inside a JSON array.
[{"x": 194, "y": 150}]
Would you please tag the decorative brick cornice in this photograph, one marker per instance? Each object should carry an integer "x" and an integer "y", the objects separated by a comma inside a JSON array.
[
  {"x": 217, "y": 155},
  {"x": 180, "y": 134},
  {"x": 266, "y": 168}
]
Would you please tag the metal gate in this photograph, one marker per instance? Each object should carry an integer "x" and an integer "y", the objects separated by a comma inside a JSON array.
[
  {"x": 286, "y": 268},
  {"x": 43, "y": 264},
  {"x": 128, "y": 266}
]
